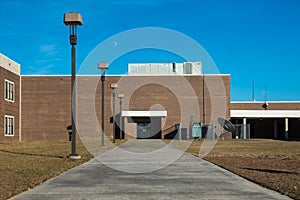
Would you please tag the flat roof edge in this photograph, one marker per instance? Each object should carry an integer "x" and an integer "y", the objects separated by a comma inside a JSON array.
[
  {"x": 123, "y": 75},
  {"x": 264, "y": 102},
  {"x": 9, "y": 64}
]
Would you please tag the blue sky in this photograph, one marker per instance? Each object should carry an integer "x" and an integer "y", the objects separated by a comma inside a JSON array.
[{"x": 250, "y": 39}]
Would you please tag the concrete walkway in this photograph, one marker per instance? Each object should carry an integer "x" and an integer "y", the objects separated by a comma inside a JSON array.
[{"x": 186, "y": 178}]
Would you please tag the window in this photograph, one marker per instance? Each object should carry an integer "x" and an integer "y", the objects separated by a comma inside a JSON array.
[
  {"x": 8, "y": 125},
  {"x": 9, "y": 88}
]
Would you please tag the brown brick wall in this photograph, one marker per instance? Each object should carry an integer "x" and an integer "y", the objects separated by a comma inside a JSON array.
[
  {"x": 9, "y": 108},
  {"x": 148, "y": 95},
  {"x": 46, "y": 102},
  {"x": 272, "y": 106},
  {"x": 45, "y": 107}
]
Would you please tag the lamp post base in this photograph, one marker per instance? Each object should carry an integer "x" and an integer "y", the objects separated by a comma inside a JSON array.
[{"x": 74, "y": 157}]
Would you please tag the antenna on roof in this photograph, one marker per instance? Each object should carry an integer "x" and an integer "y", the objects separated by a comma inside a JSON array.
[
  {"x": 253, "y": 94},
  {"x": 265, "y": 105},
  {"x": 265, "y": 93}
]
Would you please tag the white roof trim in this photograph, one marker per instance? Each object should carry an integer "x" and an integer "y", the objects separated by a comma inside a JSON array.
[
  {"x": 9, "y": 64},
  {"x": 265, "y": 113},
  {"x": 144, "y": 113}
]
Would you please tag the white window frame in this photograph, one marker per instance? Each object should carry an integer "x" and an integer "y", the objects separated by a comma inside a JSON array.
[
  {"x": 11, "y": 130},
  {"x": 9, "y": 93}
]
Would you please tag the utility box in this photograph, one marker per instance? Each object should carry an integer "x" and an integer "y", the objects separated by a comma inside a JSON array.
[
  {"x": 209, "y": 132},
  {"x": 196, "y": 130}
]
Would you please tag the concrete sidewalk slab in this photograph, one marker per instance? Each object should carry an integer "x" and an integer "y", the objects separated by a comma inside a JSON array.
[{"x": 186, "y": 178}]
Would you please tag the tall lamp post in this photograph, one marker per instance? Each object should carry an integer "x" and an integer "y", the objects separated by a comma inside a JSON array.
[
  {"x": 121, "y": 96},
  {"x": 73, "y": 19},
  {"x": 103, "y": 66},
  {"x": 114, "y": 86}
]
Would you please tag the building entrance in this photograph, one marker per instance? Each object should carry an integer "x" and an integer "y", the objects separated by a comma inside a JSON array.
[
  {"x": 144, "y": 124},
  {"x": 144, "y": 130}
]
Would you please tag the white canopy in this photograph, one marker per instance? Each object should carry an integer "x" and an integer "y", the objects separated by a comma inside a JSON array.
[{"x": 149, "y": 113}]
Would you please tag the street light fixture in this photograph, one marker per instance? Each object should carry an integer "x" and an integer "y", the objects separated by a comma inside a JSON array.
[
  {"x": 121, "y": 96},
  {"x": 103, "y": 66},
  {"x": 114, "y": 86},
  {"x": 73, "y": 19}
]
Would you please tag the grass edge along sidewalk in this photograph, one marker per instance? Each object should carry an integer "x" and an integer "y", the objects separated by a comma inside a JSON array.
[
  {"x": 272, "y": 164},
  {"x": 24, "y": 165}
]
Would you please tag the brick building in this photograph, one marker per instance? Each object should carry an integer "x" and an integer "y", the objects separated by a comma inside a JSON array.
[
  {"x": 46, "y": 105},
  {"x": 155, "y": 102},
  {"x": 273, "y": 120},
  {"x": 10, "y": 99}
]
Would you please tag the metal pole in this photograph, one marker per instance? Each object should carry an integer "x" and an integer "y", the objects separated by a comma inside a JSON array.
[
  {"x": 203, "y": 100},
  {"x": 121, "y": 120},
  {"x": 253, "y": 97},
  {"x": 102, "y": 133},
  {"x": 114, "y": 118},
  {"x": 179, "y": 131},
  {"x": 73, "y": 95},
  {"x": 73, "y": 20},
  {"x": 222, "y": 129}
]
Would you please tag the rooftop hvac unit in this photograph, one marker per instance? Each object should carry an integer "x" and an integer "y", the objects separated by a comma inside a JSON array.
[{"x": 187, "y": 68}]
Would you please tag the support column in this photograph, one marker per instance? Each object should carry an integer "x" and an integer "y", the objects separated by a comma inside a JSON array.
[
  {"x": 191, "y": 126},
  {"x": 286, "y": 132},
  {"x": 125, "y": 127},
  {"x": 179, "y": 131},
  {"x": 244, "y": 128},
  {"x": 275, "y": 129}
]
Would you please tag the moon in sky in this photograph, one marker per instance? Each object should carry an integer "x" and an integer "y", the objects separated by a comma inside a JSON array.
[{"x": 115, "y": 43}]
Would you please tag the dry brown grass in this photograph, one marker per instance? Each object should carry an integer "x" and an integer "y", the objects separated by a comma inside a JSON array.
[
  {"x": 271, "y": 163},
  {"x": 24, "y": 165},
  {"x": 27, "y": 164}
]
